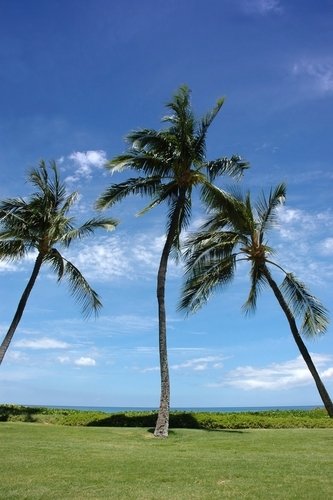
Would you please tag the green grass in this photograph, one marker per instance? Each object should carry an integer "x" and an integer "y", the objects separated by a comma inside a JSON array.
[{"x": 41, "y": 461}]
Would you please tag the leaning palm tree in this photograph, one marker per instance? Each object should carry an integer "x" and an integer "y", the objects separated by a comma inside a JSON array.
[
  {"x": 235, "y": 232},
  {"x": 170, "y": 162},
  {"x": 41, "y": 223}
]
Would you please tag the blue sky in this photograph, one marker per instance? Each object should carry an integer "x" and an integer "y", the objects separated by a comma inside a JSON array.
[{"x": 75, "y": 78}]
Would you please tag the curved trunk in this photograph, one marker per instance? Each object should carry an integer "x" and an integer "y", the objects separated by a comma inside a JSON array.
[
  {"x": 21, "y": 306},
  {"x": 300, "y": 344},
  {"x": 162, "y": 423}
]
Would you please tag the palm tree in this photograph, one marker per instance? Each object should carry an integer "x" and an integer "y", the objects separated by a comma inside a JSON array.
[
  {"x": 236, "y": 232},
  {"x": 172, "y": 162},
  {"x": 41, "y": 223}
]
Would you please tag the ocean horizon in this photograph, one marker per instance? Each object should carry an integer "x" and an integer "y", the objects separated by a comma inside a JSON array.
[{"x": 209, "y": 409}]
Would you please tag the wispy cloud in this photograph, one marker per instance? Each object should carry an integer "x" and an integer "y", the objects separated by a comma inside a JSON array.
[
  {"x": 315, "y": 75},
  {"x": 134, "y": 256},
  {"x": 262, "y": 7},
  {"x": 19, "y": 265},
  {"x": 7, "y": 266},
  {"x": 82, "y": 164},
  {"x": 85, "y": 361},
  {"x": 42, "y": 343},
  {"x": 129, "y": 323},
  {"x": 301, "y": 243},
  {"x": 293, "y": 373},
  {"x": 326, "y": 246},
  {"x": 200, "y": 364}
]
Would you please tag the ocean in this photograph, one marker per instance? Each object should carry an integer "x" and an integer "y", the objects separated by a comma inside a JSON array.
[{"x": 215, "y": 409}]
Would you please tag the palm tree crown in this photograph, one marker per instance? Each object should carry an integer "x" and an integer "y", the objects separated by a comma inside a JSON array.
[
  {"x": 41, "y": 223},
  {"x": 171, "y": 163},
  {"x": 236, "y": 231}
]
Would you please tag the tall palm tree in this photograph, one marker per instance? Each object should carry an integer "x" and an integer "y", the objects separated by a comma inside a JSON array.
[
  {"x": 42, "y": 223},
  {"x": 235, "y": 232},
  {"x": 171, "y": 162}
]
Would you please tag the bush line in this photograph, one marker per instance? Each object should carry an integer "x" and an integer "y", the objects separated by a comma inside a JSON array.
[{"x": 272, "y": 419}]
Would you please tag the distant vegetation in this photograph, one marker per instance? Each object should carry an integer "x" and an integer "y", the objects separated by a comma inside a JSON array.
[{"x": 272, "y": 419}]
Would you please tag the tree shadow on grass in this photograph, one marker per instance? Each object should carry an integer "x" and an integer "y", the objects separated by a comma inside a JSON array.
[{"x": 177, "y": 420}]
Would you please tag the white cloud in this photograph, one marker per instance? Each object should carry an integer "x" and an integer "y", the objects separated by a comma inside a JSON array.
[
  {"x": 327, "y": 373},
  {"x": 111, "y": 257},
  {"x": 150, "y": 369},
  {"x": 129, "y": 323},
  {"x": 85, "y": 361},
  {"x": 43, "y": 343},
  {"x": 63, "y": 359},
  {"x": 103, "y": 260},
  {"x": 262, "y": 7},
  {"x": 315, "y": 74},
  {"x": 293, "y": 373},
  {"x": 198, "y": 364},
  {"x": 326, "y": 246},
  {"x": 16, "y": 356},
  {"x": 18, "y": 265},
  {"x": 300, "y": 243},
  {"x": 8, "y": 266},
  {"x": 85, "y": 162}
]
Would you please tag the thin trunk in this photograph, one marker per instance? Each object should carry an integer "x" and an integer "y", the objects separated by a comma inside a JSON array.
[
  {"x": 162, "y": 423},
  {"x": 20, "y": 308},
  {"x": 300, "y": 344}
]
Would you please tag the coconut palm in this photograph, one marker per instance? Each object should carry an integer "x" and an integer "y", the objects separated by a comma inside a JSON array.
[
  {"x": 170, "y": 163},
  {"x": 41, "y": 223},
  {"x": 236, "y": 232}
]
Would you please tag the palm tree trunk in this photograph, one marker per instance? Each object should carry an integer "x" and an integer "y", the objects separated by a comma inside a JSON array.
[
  {"x": 21, "y": 306},
  {"x": 162, "y": 423},
  {"x": 300, "y": 344}
]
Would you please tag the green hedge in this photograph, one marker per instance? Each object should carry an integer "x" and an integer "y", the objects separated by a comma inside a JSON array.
[{"x": 276, "y": 419}]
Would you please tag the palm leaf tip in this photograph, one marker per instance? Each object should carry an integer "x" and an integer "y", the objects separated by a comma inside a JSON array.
[
  {"x": 309, "y": 309},
  {"x": 81, "y": 290}
]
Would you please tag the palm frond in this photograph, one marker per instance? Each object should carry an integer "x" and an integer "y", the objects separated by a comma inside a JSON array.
[
  {"x": 234, "y": 167},
  {"x": 143, "y": 186},
  {"x": 226, "y": 210},
  {"x": 145, "y": 162},
  {"x": 313, "y": 314},
  {"x": 69, "y": 202},
  {"x": 165, "y": 192},
  {"x": 10, "y": 207},
  {"x": 203, "y": 280},
  {"x": 179, "y": 215},
  {"x": 199, "y": 145},
  {"x": 150, "y": 141},
  {"x": 258, "y": 280},
  {"x": 12, "y": 249},
  {"x": 78, "y": 285},
  {"x": 57, "y": 262},
  {"x": 181, "y": 107},
  {"x": 88, "y": 228},
  {"x": 39, "y": 177},
  {"x": 208, "y": 246},
  {"x": 266, "y": 208},
  {"x": 50, "y": 190}
]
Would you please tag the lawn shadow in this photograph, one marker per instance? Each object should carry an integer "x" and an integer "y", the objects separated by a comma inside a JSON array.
[{"x": 179, "y": 420}]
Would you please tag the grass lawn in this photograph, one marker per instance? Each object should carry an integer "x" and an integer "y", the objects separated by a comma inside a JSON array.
[{"x": 40, "y": 461}]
